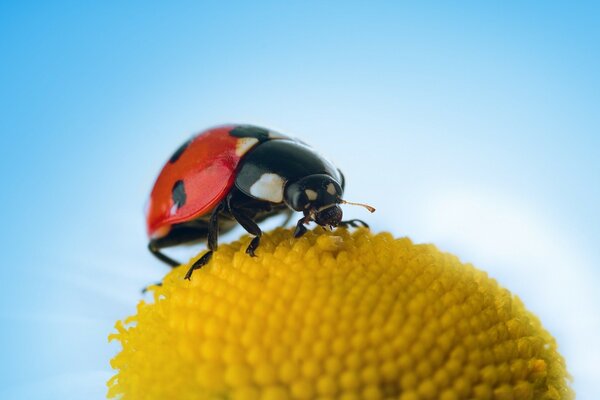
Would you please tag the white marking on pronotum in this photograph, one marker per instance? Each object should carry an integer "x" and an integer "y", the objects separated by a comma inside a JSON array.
[
  {"x": 331, "y": 189},
  {"x": 268, "y": 187},
  {"x": 243, "y": 145},
  {"x": 311, "y": 194},
  {"x": 173, "y": 209}
]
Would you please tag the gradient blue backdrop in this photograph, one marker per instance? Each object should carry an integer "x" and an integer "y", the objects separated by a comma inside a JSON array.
[{"x": 472, "y": 127}]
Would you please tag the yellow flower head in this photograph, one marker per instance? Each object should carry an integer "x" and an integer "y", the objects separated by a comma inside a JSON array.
[{"x": 335, "y": 315}]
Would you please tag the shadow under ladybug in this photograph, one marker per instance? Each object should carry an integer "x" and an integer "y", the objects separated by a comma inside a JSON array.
[{"x": 240, "y": 174}]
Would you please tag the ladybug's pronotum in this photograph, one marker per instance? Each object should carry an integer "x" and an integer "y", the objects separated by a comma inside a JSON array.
[{"x": 243, "y": 174}]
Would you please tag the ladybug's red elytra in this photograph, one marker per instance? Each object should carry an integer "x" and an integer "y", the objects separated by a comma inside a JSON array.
[{"x": 243, "y": 174}]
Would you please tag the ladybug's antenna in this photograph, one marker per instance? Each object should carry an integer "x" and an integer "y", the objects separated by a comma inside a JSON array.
[{"x": 368, "y": 207}]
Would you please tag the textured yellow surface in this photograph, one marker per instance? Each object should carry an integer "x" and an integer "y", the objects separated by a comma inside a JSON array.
[{"x": 335, "y": 315}]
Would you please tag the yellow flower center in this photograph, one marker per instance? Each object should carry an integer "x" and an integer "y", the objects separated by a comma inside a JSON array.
[{"x": 335, "y": 315}]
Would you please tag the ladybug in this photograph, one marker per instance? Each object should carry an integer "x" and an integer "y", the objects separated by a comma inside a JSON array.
[{"x": 240, "y": 174}]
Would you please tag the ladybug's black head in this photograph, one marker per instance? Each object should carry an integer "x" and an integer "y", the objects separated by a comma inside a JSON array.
[{"x": 316, "y": 196}]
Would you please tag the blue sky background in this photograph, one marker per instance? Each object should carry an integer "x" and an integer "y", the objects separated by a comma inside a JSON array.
[{"x": 473, "y": 127}]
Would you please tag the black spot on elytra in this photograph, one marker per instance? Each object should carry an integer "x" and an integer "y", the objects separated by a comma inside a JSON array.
[
  {"x": 180, "y": 151},
  {"x": 178, "y": 194},
  {"x": 249, "y": 131}
]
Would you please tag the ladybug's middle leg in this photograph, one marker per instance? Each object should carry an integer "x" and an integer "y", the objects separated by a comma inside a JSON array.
[
  {"x": 300, "y": 228},
  {"x": 213, "y": 239},
  {"x": 251, "y": 227}
]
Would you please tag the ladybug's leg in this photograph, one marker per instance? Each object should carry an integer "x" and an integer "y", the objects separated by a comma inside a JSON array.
[
  {"x": 179, "y": 234},
  {"x": 251, "y": 227},
  {"x": 300, "y": 228},
  {"x": 213, "y": 238},
  {"x": 355, "y": 223},
  {"x": 154, "y": 249}
]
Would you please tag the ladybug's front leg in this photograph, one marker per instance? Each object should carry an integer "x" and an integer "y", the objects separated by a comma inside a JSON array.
[
  {"x": 213, "y": 238},
  {"x": 300, "y": 228}
]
